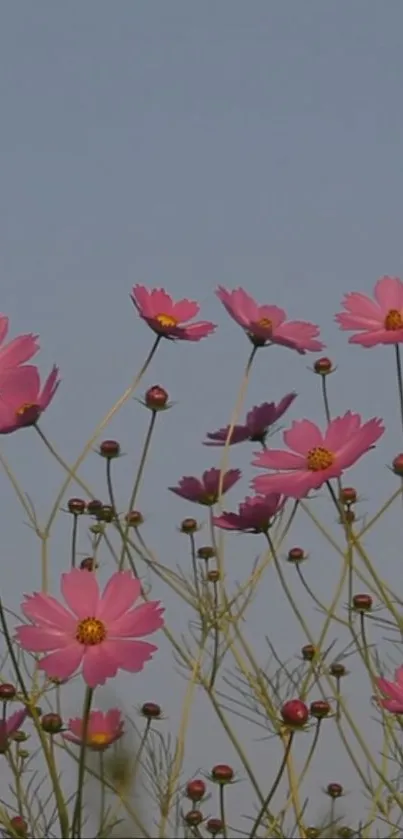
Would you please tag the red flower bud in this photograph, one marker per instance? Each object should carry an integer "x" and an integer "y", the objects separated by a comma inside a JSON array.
[
  {"x": 134, "y": 518},
  {"x": 334, "y": 790},
  {"x": 76, "y": 506},
  {"x": 156, "y": 398},
  {"x": 296, "y": 555},
  {"x": 319, "y": 709},
  {"x": 189, "y": 526},
  {"x": 337, "y": 669},
  {"x": 214, "y": 826},
  {"x": 323, "y": 366},
  {"x": 88, "y": 564},
  {"x": 109, "y": 449},
  {"x": 151, "y": 710},
  {"x": 221, "y": 773},
  {"x": 206, "y": 552},
  {"x": 362, "y": 602},
  {"x": 308, "y": 652},
  {"x": 93, "y": 507},
  {"x": 196, "y": 789},
  {"x": 19, "y": 826},
  {"x": 7, "y": 691},
  {"x": 397, "y": 465},
  {"x": 213, "y": 576},
  {"x": 348, "y": 495},
  {"x": 193, "y": 818},
  {"x": 106, "y": 513},
  {"x": 51, "y": 723},
  {"x": 295, "y": 713}
]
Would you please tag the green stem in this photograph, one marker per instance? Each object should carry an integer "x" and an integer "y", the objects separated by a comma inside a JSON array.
[
  {"x": 274, "y": 787},
  {"x": 74, "y": 541},
  {"x": 117, "y": 523},
  {"x": 399, "y": 379},
  {"x": 214, "y": 667},
  {"x": 77, "y": 817},
  {"x": 137, "y": 482}
]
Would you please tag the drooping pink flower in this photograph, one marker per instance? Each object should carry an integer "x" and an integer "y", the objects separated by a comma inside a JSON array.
[
  {"x": 204, "y": 490},
  {"x": 17, "y": 351},
  {"x": 103, "y": 729},
  {"x": 255, "y": 515},
  {"x": 393, "y": 691},
  {"x": 257, "y": 424},
  {"x": 21, "y": 399},
  {"x": 378, "y": 321},
  {"x": 10, "y": 725},
  {"x": 97, "y": 630},
  {"x": 268, "y": 324},
  {"x": 315, "y": 457},
  {"x": 166, "y": 317}
]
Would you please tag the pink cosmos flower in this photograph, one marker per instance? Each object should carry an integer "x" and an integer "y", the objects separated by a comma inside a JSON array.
[
  {"x": 97, "y": 630},
  {"x": 17, "y": 351},
  {"x": 255, "y": 514},
  {"x": 21, "y": 399},
  {"x": 103, "y": 729},
  {"x": 315, "y": 457},
  {"x": 204, "y": 490},
  {"x": 165, "y": 317},
  {"x": 393, "y": 691},
  {"x": 378, "y": 321},
  {"x": 257, "y": 424},
  {"x": 10, "y": 725},
  {"x": 267, "y": 324}
]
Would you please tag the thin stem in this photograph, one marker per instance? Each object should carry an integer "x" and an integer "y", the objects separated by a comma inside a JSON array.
[
  {"x": 77, "y": 817},
  {"x": 194, "y": 567},
  {"x": 116, "y": 518},
  {"x": 100, "y": 427},
  {"x": 222, "y": 811},
  {"x": 399, "y": 379},
  {"x": 326, "y": 399},
  {"x": 234, "y": 417},
  {"x": 74, "y": 541},
  {"x": 140, "y": 751},
  {"x": 137, "y": 482},
  {"x": 63, "y": 463},
  {"x": 216, "y": 643},
  {"x": 274, "y": 787},
  {"x": 102, "y": 793}
]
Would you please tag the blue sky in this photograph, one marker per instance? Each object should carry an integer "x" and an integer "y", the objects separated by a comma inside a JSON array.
[{"x": 188, "y": 145}]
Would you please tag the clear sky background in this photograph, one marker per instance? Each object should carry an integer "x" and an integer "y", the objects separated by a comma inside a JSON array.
[{"x": 188, "y": 145}]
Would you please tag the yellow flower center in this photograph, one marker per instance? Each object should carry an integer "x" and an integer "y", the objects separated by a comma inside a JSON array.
[
  {"x": 27, "y": 406},
  {"x": 98, "y": 739},
  {"x": 166, "y": 320},
  {"x": 393, "y": 320},
  {"x": 319, "y": 459},
  {"x": 265, "y": 322},
  {"x": 90, "y": 632}
]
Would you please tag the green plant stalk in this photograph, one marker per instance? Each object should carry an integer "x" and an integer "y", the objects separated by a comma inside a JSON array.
[
  {"x": 77, "y": 816},
  {"x": 273, "y": 788},
  {"x": 137, "y": 482}
]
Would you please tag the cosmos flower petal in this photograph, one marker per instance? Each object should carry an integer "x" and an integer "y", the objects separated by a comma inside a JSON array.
[
  {"x": 142, "y": 620},
  {"x": 303, "y": 436},
  {"x": 81, "y": 592},
  {"x": 120, "y": 592},
  {"x": 45, "y": 610},
  {"x": 388, "y": 293},
  {"x": 38, "y": 639},
  {"x": 63, "y": 664},
  {"x": 131, "y": 655},
  {"x": 99, "y": 664}
]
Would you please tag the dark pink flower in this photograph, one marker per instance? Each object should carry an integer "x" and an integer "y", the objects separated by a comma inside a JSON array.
[
  {"x": 103, "y": 729},
  {"x": 255, "y": 514},
  {"x": 21, "y": 399},
  {"x": 393, "y": 691},
  {"x": 204, "y": 490},
  {"x": 257, "y": 424},
  {"x": 378, "y": 321},
  {"x": 17, "y": 351},
  {"x": 10, "y": 725},
  {"x": 165, "y": 317},
  {"x": 267, "y": 324},
  {"x": 99, "y": 631},
  {"x": 315, "y": 457}
]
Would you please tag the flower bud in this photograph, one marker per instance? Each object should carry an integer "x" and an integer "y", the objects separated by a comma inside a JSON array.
[
  {"x": 345, "y": 832},
  {"x": 221, "y": 773},
  {"x": 213, "y": 576},
  {"x": 151, "y": 710},
  {"x": 334, "y": 790},
  {"x": 313, "y": 833},
  {"x": 206, "y": 552},
  {"x": 296, "y": 555},
  {"x": 323, "y": 366},
  {"x": 214, "y": 826},
  {"x": 19, "y": 826},
  {"x": 156, "y": 398},
  {"x": 348, "y": 516},
  {"x": 106, "y": 513},
  {"x": 348, "y": 495},
  {"x": 76, "y": 506},
  {"x": 89, "y": 564},
  {"x": 308, "y": 652},
  {"x": 19, "y": 736},
  {"x": 134, "y": 518},
  {"x": 51, "y": 723},
  {"x": 196, "y": 789},
  {"x": 109, "y": 449},
  {"x": 338, "y": 670},
  {"x": 7, "y": 691},
  {"x": 188, "y": 526},
  {"x": 193, "y": 818},
  {"x": 397, "y": 465},
  {"x": 362, "y": 602},
  {"x": 295, "y": 713},
  {"x": 319, "y": 709},
  {"x": 94, "y": 506}
]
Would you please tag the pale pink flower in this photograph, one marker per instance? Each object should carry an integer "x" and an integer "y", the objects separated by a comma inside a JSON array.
[
  {"x": 255, "y": 515},
  {"x": 393, "y": 691},
  {"x": 103, "y": 729},
  {"x": 96, "y": 631},
  {"x": 268, "y": 324},
  {"x": 10, "y": 725},
  {"x": 17, "y": 351},
  {"x": 204, "y": 490},
  {"x": 167, "y": 318},
  {"x": 378, "y": 321},
  {"x": 315, "y": 457},
  {"x": 21, "y": 399},
  {"x": 257, "y": 424}
]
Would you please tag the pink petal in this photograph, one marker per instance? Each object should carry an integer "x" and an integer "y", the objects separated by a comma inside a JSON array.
[
  {"x": 375, "y": 337},
  {"x": 399, "y": 676},
  {"x": 194, "y": 331},
  {"x": 389, "y": 293},
  {"x": 185, "y": 310},
  {"x": 49, "y": 389},
  {"x": 362, "y": 306},
  {"x": 38, "y": 639},
  {"x": 237, "y": 305},
  {"x": 160, "y": 303},
  {"x": 72, "y": 739},
  {"x": 141, "y": 299},
  {"x": 142, "y": 620},
  {"x": 81, "y": 593},
  {"x": 230, "y": 479},
  {"x": 340, "y": 429},
  {"x": 15, "y": 720},
  {"x": 296, "y": 485},
  {"x": 118, "y": 596},
  {"x": 96, "y": 722},
  {"x": 347, "y": 321},
  {"x": 76, "y": 727},
  {"x": 360, "y": 443},
  {"x": 273, "y": 314},
  {"x": 304, "y": 335},
  {"x": 63, "y": 663},
  {"x": 20, "y": 385},
  {"x": 240, "y": 433},
  {"x": 390, "y": 689},
  {"x": 46, "y": 611},
  {"x": 113, "y": 719},
  {"x": 189, "y": 487},
  {"x": 18, "y": 351},
  {"x": 279, "y": 459},
  {"x": 303, "y": 436},
  {"x": 131, "y": 655},
  {"x": 228, "y": 521},
  {"x": 4, "y": 323},
  {"x": 99, "y": 664}
]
